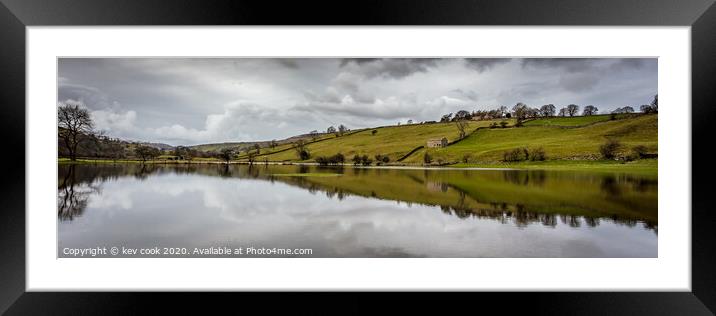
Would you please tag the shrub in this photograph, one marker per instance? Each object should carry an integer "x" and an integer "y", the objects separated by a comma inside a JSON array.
[
  {"x": 365, "y": 160},
  {"x": 338, "y": 158},
  {"x": 631, "y": 157},
  {"x": 503, "y": 124},
  {"x": 356, "y": 160},
  {"x": 516, "y": 154},
  {"x": 609, "y": 148},
  {"x": 322, "y": 160},
  {"x": 466, "y": 158},
  {"x": 304, "y": 154},
  {"x": 537, "y": 154},
  {"x": 493, "y": 125},
  {"x": 373, "y": 132},
  {"x": 381, "y": 158},
  {"x": 332, "y": 160},
  {"x": 639, "y": 151},
  {"x": 427, "y": 158}
]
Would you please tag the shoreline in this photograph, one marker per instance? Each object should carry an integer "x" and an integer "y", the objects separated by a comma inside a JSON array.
[{"x": 642, "y": 166}]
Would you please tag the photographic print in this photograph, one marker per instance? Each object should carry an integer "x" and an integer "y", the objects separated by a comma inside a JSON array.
[{"x": 357, "y": 157}]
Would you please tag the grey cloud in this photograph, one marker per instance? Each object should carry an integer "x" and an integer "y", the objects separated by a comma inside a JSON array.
[
  {"x": 568, "y": 64},
  {"x": 391, "y": 67},
  {"x": 469, "y": 94},
  {"x": 288, "y": 63},
  {"x": 579, "y": 82},
  {"x": 483, "y": 64},
  {"x": 629, "y": 63},
  {"x": 345, "y": 61},
  {"x": 390, "y": 109},
  {"x": 90, "y": 96},
  {"x": 330, "y": 96}
]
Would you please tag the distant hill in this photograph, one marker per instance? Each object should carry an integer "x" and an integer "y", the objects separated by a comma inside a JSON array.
[
  {"x": 161, "y": 146},
  {"x": 262, "y": 144}
]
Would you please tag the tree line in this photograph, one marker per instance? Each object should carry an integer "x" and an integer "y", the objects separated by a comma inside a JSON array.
[
  {"x": 522, "y": 111},
  {"x": 77, "y": 137}
]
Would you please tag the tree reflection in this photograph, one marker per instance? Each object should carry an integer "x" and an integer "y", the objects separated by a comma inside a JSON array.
[
  {"x": 522, "y": 177},
  {"x": 72, "y": 196}
]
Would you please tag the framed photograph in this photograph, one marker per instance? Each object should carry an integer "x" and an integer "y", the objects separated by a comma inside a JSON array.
[{"x": 460, "y": 146}]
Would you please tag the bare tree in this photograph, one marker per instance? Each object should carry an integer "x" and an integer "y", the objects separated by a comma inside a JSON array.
[
  {"x": 461, "y": 128},
  {"x": 146, "y": 152},
  {"x": 330, "y": 130},
  {"x": 563, "y": 112},
  {"x": 462, "y": 115},
  {"x": 115, "y": 150},
  {"x": 185, "y": 153},
  {"x": 572, "y": 109},
  {"x": 226, "y": 154},
  {"x": 547, "y": 110},
  {"x": 75, "y": 125},
  {"x": 301, "y": 150},
  {"x": 532, "y": 112},
  {"x": 342, "y": 129},
  {"x": 626, "y": 109},
  {"x": 590, "y": 110},
  {"x": 653, "y": 107},
  {"x": 520, "y": 111}
]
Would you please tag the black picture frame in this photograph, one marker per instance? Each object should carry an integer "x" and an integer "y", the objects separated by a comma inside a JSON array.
[{"x": 16, "y": 15}]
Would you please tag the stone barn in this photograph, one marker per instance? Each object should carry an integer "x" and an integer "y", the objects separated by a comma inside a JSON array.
[{"x": 437, "y": 142}]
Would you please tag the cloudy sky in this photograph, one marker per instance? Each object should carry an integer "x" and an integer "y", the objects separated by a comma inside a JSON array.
[{"x": 183, "y": 101}]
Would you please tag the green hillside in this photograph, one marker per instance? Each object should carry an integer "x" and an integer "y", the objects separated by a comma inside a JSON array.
[
  {"x": 559, "y": 142},
  {"x": 393, "y": 141},
  {"x": 562, "y": 138}
]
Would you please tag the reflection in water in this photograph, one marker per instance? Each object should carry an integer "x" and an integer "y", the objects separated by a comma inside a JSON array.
[{"x": 387, "y": 211}]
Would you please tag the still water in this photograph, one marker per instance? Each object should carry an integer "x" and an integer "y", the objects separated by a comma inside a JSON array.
[{"x": 354, "y": 212}]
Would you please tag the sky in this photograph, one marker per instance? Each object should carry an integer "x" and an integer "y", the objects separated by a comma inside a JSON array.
[{"x": 189, "y": 101}]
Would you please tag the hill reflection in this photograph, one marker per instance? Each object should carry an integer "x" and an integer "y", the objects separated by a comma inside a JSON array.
[{"x": 520, "y": 198}]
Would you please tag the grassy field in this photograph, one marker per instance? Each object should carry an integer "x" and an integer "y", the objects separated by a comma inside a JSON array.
[
  {"x": 487, "y": 146},
  {"x": 393, "y": 141}
]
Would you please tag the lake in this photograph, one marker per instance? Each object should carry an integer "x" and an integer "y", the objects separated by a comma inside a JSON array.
[{"x": 312, "y": 211}]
